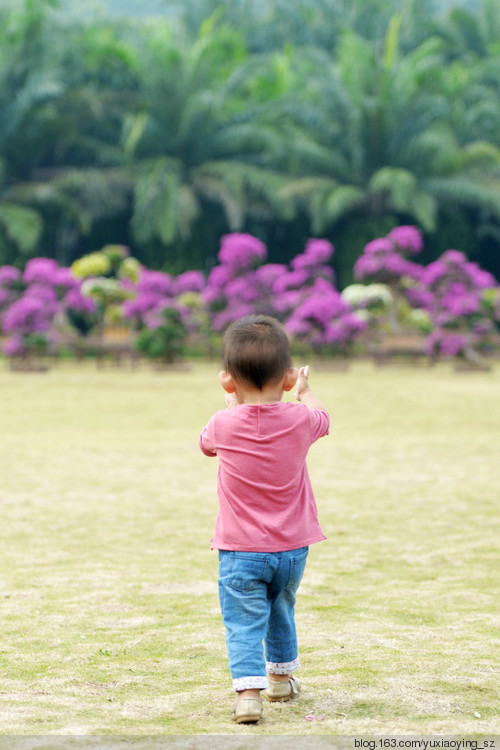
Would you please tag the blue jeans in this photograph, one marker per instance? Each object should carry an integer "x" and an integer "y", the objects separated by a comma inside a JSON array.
[{"x": 257, "y": 597}]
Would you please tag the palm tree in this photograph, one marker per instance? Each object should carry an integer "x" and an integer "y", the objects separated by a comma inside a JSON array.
[
  {"x": 382, "y": 146},
  {"x": 84, "y": 174},
  {"x": 27, "y": 89},
  {"x": 470, "y": 44},
  {"x": 269, "y": 25},
  {"x": 469, "y": 35},
  {"x": 199, "y": 144},
  {"x": 61, "y": 168}
]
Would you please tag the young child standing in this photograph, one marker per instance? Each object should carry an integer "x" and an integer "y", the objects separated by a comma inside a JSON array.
[{"x": 267, "y": 512}]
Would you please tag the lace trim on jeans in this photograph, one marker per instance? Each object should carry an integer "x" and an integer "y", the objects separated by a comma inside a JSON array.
[
  {"x": 250, "y": 683},
  {"x": 273, "y": 667}
]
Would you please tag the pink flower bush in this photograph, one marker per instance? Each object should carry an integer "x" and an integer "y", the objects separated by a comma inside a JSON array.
[
  {"x": 446, "y": 343},
  {"x": 190, "y": 281},
  {"x": 240, "y": 252},
  {"x": 457, "y": 296},
  {"x": 459, "y": 292},
  {"x": 35, "y": 303},
  {"x": 32, "y": 313},
  {"x": 9, "y": 276},
  {"x": 323, "y": 319},
  {"x": 156, "y": 292},
  {"x": 454, "y": 299},
  {"x": 29, "y": 321},
  {"x": 29, "y": 314},
  {"x": 14, "y": 346},
  {"x": 315, "y": 258},
  {"x": 148, "y": 296},
  {"x": 384, "y": 261},
  {"x": 239, "y": 285},
  {"x": 79, "y": 303},
  {"x": 407, "y": 238},
  {"x": 155, "y": 282},
  {"x": 41, "y": 271},
  {"x": 302, "y": 295},
  {"x": 144, "y": 303}
]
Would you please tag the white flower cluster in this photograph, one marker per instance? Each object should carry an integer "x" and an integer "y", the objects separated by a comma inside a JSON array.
[{"x": 367, "y": 295}]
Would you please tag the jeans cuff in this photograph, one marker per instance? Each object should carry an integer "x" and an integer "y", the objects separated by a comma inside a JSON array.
[
  {"x": 258, "y": 682},
  {"x": 287, "y": 667}
]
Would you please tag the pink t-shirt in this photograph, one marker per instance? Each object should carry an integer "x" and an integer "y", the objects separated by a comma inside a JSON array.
[{"x": 266, "y": 502}]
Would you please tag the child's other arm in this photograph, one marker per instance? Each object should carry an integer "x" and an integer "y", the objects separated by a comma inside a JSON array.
[
  {"x": 230, "y": 400},
  {"x": 303, "y": 392},
  {"x": 207, "y": 439}
]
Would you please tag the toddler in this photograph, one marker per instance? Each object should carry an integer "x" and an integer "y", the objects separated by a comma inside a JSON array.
[{"x": 267, "y": 513}]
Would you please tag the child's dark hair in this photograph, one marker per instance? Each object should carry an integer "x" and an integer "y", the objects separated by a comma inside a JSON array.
[{"x": 257, "y": 350}]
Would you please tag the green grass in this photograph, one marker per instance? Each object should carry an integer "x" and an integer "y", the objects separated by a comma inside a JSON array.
[{"x": 108, "y": 588}]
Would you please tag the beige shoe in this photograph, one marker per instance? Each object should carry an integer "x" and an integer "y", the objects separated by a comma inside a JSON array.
[
  {"x": 283, "y": 691},
  {"x": 247, "y": 711}
]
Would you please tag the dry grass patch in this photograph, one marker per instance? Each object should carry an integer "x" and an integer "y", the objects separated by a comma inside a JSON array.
[{"x": 110, "y": 618}]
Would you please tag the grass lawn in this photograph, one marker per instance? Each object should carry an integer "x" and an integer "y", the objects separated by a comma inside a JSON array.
[{"x": 108, "y": 589}]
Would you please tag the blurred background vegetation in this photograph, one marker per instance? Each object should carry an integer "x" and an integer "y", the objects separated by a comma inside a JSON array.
[{"x": 163, "y": 125}]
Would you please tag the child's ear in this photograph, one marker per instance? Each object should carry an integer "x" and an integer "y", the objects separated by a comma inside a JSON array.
[
  {"x": 290, "y": 379},
  {"x": 226, "y": 381}
]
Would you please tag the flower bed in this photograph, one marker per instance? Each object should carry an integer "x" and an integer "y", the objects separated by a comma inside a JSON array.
[{"x": 453, "y": 303}]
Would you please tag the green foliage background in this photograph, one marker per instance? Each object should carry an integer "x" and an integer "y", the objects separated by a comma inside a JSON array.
[{"x": 317, "y": 118}]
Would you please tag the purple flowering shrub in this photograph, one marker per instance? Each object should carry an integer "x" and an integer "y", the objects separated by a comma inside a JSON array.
[
  {"x": 240, "y": 284},
  {"x": 464, "y": 303},
  {"x": 316, "y": 313},
  {"x": 158, "y": 310},
  {"x": 385, "y": 261},
  {"x": 28, "y": 322},
  {"x": 323, "y": 320},
  {"x": 35, "y": 305},
  {"x": 453, "y": 301},
  {"x": 302, "y": 295},
  {"x": 10, "y": 286},
  {"x": 164, "y": 309},
  {"x": 152, "y": 291}
]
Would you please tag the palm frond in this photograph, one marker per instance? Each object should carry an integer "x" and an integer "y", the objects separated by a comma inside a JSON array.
[
  {"x": 481, "y": 154},
  {"x": 155, "y": 199},
  {"x": 434, "y": 151},
  {"x": 38, "y": 89},
  {"x": 327, "y": 209},
  {"x": 301, "y": 189},
  {"x": 397, "y": 185},
  {"x": 462, "y": 190},
  {"x": 228, "y": 193},
  {"x": 425, "y": 209},
  {"x": 99, "y": 192},
  {"x": 22, "y": 225},
  {"x": 253, "y": 185},
  {"x": 133, "y": 130},
  {"x": 188, "y": 210}
]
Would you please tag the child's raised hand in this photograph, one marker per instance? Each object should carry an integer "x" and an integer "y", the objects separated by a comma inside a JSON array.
[
  {"x": 304, "y": 393},
  {"x": 231, "y": 400},
  {"x": 302, "y": 383}
]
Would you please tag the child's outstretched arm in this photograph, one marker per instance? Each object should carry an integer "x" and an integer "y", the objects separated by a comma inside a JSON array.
[
  {"x": 230, "y": 400},
  {"x": 304, "y": 394}
]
